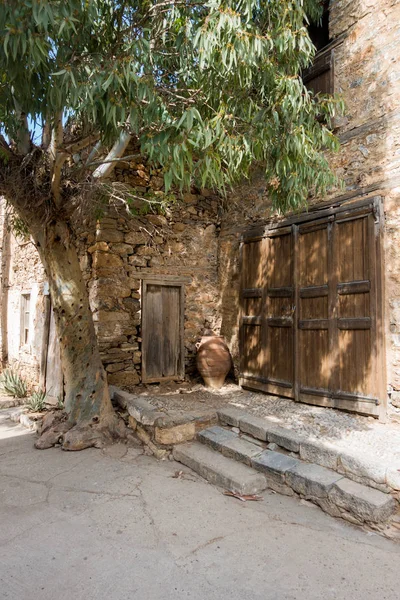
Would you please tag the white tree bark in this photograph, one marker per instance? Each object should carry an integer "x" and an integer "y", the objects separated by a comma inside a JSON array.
[{"x": 116, "y": 151}]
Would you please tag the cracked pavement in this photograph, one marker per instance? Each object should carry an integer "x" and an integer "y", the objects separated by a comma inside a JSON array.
[{"x": 116, "y": 524}]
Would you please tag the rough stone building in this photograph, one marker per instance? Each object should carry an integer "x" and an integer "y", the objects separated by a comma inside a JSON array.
[{"x": 314, "y": 298}]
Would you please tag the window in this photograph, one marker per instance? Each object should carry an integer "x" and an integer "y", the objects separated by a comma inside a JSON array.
[
  {"x": 25, "y": 314},
  {"x": 319, "y": 78},
  {"x": 319, "y": 32}
]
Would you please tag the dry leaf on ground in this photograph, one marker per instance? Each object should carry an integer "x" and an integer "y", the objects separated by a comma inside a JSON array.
[{"x": 243, "y": 497}]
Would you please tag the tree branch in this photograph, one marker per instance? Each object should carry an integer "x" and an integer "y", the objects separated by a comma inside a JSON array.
[
  {"x": 57, "y": 157},
  {"x": 81, "y": 144},
  {"x": 5, "y": 148},
  {"x": 93, "y": 153},
  {"x": 23, "y": 135},
  {"x": 57, "y": 136},
  {"x": 116, "y": 152},
  {"x": 46, "y": 136}
]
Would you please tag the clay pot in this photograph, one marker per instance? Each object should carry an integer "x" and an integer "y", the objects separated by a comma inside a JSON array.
[{"x": 213, "y": 360}]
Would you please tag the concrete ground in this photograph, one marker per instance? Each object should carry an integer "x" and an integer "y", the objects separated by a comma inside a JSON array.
[{"x": 118, "y": 525}]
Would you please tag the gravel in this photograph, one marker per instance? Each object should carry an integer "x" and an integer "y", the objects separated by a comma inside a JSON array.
[{"x": 342, "y": 430}]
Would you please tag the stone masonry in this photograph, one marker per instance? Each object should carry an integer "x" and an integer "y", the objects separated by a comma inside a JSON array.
[{"x": 197, "y": 235}]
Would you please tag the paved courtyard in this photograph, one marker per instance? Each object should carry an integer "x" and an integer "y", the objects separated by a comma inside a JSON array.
[{"x": 116, "y": 524}]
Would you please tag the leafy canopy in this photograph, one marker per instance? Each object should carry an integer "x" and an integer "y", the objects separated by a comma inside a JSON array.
[{"x": 207, "y": 88}]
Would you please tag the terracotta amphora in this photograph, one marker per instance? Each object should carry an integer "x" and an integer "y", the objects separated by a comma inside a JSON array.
[{"x": 213, "y": 360}]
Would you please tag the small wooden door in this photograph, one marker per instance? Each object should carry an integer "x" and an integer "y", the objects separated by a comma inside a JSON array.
[
  {"x": 162, "y": 330},
  {"x": 311, "y": 326}
]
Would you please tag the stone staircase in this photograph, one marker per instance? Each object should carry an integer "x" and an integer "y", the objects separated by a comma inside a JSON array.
[{"x": 247, "y": 454}]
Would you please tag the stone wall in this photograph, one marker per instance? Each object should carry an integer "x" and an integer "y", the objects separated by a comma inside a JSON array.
[
  {"x": 22, "y": 273},
  {"x": 366, "y": 41},
  {"x": 118, "y": 250},
  {"x": 198, "y": 236}
]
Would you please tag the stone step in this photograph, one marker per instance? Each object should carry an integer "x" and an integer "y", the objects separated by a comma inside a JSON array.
[
  {"x": 230, "y": 444},
  {"x": 334, "y": 493},
  {"x": 367, "y": 470},
  {"x": 220, "y": 470}
]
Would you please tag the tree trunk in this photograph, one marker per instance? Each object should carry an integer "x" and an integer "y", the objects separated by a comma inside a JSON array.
[{"x": 87, "y": 400}]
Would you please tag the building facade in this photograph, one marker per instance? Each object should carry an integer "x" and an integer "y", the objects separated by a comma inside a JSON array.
[{"x": 309, "y": 304}]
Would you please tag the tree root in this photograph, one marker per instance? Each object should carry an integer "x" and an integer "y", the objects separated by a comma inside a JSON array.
[{"x": 56, "y": 429}]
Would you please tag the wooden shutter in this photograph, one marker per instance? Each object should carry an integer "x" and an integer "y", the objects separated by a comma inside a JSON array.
[{"x": 320, "y": 76}]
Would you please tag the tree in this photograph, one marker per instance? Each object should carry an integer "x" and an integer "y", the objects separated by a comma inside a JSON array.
[{"x": 204, "y": 89}]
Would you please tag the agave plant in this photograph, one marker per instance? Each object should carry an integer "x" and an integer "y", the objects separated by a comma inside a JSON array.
[
  {"x": 13, "y": 384},
  {"x": 37, "y": 401}
]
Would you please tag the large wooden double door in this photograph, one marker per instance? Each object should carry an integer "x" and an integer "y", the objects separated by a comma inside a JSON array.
[{"x": 311, "y": 325}]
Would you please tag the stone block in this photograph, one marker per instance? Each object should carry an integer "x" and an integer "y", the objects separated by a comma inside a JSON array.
[
  {"x": 208, "y": 419},
  {"x": 115, "y": 367},
  {"x": 109, "y": 235},
  {"x": 255, "y": 426},
  {"x": 362, "y": 466},
  {"x": 274, "y": 465},
  {"x": 138, "y": 261},
  {"x": 215, "y": 437},
  {"x": 105, "y": 316},
  {"x": 106, "y": 259},
  {"x": 132, "y": 423},
  {"x": 122, "y": 249},
  {"x": 189, "y": 198},
  {"x": 144, "y": 412},
  {"x": 99, "y": 247},
  {"x": 178, "y": 227},
  {"x": 240, "y": 450},
  {"x": 230, "y": 415},
  {"x": 393, "y": 477},
  {"x": 320, "y": 454},
  {"x": 127, "y": 378},
  {"x": 365, "y": 503},
  {"x": 219, "y": 470},
  {"x": 136, "y": 238},
  {"x": 286, "y": 438},
  {"x": 311, "y": 481},
  {"x": 175, "y": 435}
]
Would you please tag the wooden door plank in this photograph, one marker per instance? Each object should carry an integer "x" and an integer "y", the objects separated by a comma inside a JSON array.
[
  {"x": 296, "y": 315},
  {"x": 379, "y": 220},
  {"x": 162, "y": 331}
]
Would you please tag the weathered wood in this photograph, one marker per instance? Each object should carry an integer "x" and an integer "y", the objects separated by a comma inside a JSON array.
[
  {"x": 161, "y": 279},
  {"x": 53, "y": 373},
  {"x": 324, "y": 274},
  {"x": 354, "y": 287},
  {"x": 162, "y": 330},
  {"x": 251, "y": 320},
  {"x": 297, "y": 312},
  {"x": 356, "y": 323},
  {"x": 314, "y": 324},
  {"x": 336, "y": 206},
  {"x": 320, "y": 76},
  {"x": 283, "y": 292},
  {"x": 315, "y": 291},
  {"x": 252, "y": 293},
  {"x": 280, "y": 322}
]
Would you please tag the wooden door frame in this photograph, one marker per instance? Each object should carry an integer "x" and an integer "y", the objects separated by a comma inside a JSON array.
[
  {"x": 163, "y": 281},
  {"x": 356, "y": 208}
]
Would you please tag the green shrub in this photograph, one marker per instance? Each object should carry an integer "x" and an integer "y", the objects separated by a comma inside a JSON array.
[
  {"x": 12, "y": 383},
  {"x": 37, "y": 401}
]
